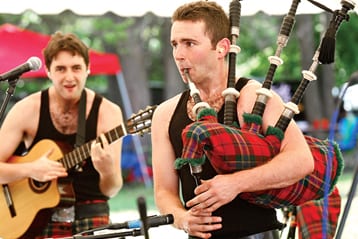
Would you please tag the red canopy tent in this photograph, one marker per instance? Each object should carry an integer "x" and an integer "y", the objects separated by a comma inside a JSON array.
[{"x": 17, "y": 45}]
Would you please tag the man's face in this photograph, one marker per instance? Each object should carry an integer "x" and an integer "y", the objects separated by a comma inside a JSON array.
[
  {"x": 192, "y": 49},
  {"x": 68, "y": 74}
]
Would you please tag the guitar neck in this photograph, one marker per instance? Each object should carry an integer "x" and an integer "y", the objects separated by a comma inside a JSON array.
[
  {"x": 139, "y": 123},
  {"x": 83, "y": 152}
]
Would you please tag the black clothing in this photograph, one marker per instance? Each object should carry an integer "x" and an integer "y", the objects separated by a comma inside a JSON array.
[
  {"x": 239, "y": 218},
  {"x": 85, "y": 182}
]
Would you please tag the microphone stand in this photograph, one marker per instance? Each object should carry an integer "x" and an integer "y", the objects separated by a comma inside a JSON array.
[
  {"x": 142, "y": 208},
  {"x": 119, "y": 235},
  {"x": 143, "y": 230},
  {"x": 9, "y": 92}
]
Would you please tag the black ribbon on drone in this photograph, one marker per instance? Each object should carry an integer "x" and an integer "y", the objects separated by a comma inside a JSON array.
[
  {"x": 328, "y": 44},
  {"x": 324, "y": 54}
]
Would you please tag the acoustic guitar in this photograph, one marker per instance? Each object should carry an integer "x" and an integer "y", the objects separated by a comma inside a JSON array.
[{"x": 22, "y": 200}]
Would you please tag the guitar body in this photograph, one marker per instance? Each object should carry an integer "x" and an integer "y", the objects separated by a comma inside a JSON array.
[
  {"x": 28, "y": 195},
  {"x": 32, "y": 200}
]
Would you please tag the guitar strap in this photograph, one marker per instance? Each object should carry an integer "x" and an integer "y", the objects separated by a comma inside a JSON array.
[
  {"x": 65, "y": 212},
  {"x": 81, "y": 126}
]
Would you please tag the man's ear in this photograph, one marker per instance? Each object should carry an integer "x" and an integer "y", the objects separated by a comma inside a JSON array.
[{"x": 223, "y": 46}]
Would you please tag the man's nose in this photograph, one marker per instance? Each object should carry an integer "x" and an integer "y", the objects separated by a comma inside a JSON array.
[
  {"x": 69, "y": 75},
  {"x": 179, "y": 53}
]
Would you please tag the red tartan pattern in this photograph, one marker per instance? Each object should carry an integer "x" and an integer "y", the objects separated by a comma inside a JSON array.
[
  {"x": 65, "y": 229},
  {"x": 309, "y": 217},
  {"x": 310, "y": 187},
  {"x": 230, "y": 149}
]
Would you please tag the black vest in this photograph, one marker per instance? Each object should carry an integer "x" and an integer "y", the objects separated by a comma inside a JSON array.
[
  {"x": 85, "y": 182},
  {"x": 239, "y": 218}
]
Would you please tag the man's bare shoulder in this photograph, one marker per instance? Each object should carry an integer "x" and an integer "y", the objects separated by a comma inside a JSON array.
[
  {"x": 30, "y": 101},
  {"x": 166, "y": 108},
  {"x": 107, "y": 106},
  {"x": 110, "y": 115},
  {"x": 163, "y": 113},
  {"x": 110, "y": 105},
  {"x": 24, "y": 116},
  {"x": 252, "y": 84}
]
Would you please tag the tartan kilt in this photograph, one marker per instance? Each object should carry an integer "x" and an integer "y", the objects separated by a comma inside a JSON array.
[
  {"x": 68, "y": 229},
  {"x": 310, "y": 215},
  {"x": 230, "y": 149}
]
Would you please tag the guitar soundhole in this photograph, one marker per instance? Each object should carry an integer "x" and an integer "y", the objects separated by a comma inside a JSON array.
[{"x": 39, "y": 187}]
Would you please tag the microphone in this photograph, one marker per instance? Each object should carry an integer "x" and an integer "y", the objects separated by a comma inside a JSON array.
[
  {"x": 142, "y": 208},
  {"x": 32, "y": 64},
  {"x": 152, "y": 221}
]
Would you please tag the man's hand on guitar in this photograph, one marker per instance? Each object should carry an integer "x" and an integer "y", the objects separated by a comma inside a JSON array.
[
  {"x": 107, "y": 165},
  {"x": 45, "y": 169},
  {"x": 102, "y": 155}
]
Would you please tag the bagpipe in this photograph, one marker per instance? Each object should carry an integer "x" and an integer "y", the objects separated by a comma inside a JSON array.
[{"x": 230, "y": 148}]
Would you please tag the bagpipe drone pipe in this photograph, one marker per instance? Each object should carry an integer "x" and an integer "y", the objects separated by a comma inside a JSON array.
[{"x": 230, "y": 148}]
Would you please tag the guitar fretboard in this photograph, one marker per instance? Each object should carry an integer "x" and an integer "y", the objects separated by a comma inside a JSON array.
[{"x": 83, "y": 152}]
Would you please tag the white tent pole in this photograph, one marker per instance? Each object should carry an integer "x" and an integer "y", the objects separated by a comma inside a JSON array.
[{"x": 137, "y": 144}]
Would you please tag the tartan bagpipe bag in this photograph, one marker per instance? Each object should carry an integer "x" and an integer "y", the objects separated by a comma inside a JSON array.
[
  {"x": 231, "y": 149},
  {"x": 309, "y": 217}
]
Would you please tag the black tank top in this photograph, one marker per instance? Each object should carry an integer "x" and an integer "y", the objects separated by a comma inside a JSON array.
[
  {"x": 239, "y": 218},
  {"x": 86, "y": 181}
]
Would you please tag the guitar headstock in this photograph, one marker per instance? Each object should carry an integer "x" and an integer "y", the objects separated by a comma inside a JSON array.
[{"x": 141, "y": 122}]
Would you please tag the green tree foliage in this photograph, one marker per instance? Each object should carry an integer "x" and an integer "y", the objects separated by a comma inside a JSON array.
[
  {"x": 258, "y": 35},
  {"x": 346, "y": 50}
]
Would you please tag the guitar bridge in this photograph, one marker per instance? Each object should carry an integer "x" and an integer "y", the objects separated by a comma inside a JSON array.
[{"x": 9, "y": 201}]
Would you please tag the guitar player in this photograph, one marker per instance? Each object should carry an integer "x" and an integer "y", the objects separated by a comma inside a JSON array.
[{"x": 54, "y": 115}]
